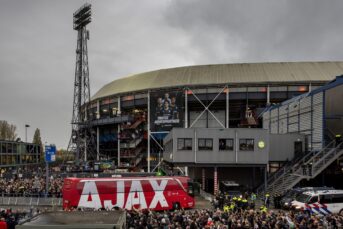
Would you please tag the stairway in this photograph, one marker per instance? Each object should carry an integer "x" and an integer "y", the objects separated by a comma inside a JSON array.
[{"x": 307, "y": 167}]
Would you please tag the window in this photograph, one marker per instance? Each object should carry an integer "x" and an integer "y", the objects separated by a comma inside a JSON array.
[
  {"x": 246, "y": 144},
  {"x": 205, "y": 144},
  {"x": 226, "y": 144},
  {"x": 184, "y": 144},
  {"x": 329, "y": 199}
]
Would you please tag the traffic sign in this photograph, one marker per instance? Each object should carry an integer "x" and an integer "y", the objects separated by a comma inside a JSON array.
[{"x": 50, "y": 153}]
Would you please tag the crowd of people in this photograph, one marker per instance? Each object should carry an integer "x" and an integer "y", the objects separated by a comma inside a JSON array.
[
  {"x": 232, "y": 212},
  {"x": 220, "y": 219},
  {"x": 35, "y": 186}
]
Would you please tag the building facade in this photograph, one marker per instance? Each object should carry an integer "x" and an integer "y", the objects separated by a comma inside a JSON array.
[
  {"x": 14, "y": 154},
  {"x": 131, "y": 116}
]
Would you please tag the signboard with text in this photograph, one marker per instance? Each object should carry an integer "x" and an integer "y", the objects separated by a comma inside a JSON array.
[
  {"x": 50, "y": 153},
  {"x": 166, "y": 110}
]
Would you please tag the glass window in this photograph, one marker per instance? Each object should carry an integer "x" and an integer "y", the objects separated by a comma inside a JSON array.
[
  {"x": 274, "y": 89},
  {"x": 205, "y": 144},
  {"x": 337, "y": 198},
  {"x": 226, "y": 144},
  {"x": 184, "y": 144},
  {"x": 238, "y": 89},
  {"x": 246, "y": 144}
]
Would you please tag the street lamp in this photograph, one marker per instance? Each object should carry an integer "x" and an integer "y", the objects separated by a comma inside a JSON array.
[{"x": 26, "y": 126}]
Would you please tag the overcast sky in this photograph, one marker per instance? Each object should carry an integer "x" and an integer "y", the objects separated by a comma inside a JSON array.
[{"x": 37, "y": 46}]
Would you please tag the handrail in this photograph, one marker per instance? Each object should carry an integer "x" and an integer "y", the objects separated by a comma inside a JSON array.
[{"x": 301, "y": 160}]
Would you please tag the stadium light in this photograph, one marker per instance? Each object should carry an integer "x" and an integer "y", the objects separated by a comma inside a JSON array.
[{"x": 82, "y": 16}]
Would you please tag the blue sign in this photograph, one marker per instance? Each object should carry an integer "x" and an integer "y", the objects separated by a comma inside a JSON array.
[{"x": 50, "y": 153}]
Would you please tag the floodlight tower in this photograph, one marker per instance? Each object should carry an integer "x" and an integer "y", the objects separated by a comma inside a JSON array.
[{"x": 81, "y": 137}]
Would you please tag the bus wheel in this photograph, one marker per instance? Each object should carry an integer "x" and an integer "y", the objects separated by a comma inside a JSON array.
[{"x": 176, "y": 206}]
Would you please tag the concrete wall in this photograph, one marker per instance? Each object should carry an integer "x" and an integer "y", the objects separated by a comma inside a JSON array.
[
  {"x": 216, "y": 156},
  {"x": 282, "y": 146},
  {"x": 334, "y": 109}
]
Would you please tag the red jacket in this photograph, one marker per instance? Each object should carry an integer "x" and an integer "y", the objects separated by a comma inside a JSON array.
[{"x": 3, "y": 225}]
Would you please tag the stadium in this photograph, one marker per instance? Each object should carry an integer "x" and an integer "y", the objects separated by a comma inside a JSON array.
[{"x": 132, "y": 115}]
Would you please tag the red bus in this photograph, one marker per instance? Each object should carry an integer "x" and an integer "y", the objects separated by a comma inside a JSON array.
[{"x": 156, "y": 193}]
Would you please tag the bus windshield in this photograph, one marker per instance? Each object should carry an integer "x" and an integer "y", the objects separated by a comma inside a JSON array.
[{"x": 193, "y": 188}]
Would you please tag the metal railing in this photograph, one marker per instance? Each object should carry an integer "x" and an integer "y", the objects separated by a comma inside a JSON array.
[
  {"x": 291, "y": 173},
  {"x": 33, "y": 200}
]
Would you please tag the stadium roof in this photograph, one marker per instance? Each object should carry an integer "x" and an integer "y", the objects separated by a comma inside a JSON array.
[{"x": 204, "y": 75}]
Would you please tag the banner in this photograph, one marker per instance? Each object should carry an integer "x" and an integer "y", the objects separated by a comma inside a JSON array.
[{"x": 166, "y": 110}]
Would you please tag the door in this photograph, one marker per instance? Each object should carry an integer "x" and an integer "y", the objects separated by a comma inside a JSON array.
[{"x": 298, "y": 149}]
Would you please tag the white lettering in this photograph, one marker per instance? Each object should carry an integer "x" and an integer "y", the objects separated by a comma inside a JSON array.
[
  {"x": 159, "y": 196},
  {"x": 136, "y": 196},
  {"x": 90, "y": 196},
  {"x": 120, "y": 197}
]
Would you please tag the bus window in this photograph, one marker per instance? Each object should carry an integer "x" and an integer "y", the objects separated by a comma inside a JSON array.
[{"x": 193, "y": 188}]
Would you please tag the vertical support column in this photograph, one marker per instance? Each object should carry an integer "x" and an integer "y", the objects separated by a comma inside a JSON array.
[
  {"x": 227, "y": 107},
  {"x": 148, "y": 156},
  {"x": 310, "y": 87},
  {"x": 85, "y": 154},
  {"x": 186, "y": 126},
  {"x": 215, "y": 179},
  {"x": 236, "y": 146},
  {"x": 268, "y": 95},
  {"x": 195, "y": 146},
  {"x": 97, "y": 109},
  {"x": 97, "y": 144},
  {"x": 46, "y": 179},
  {"x": 265, "y": 179},
  {"x": 118, "y": 133},
  {"x": 186, "y": 108},
  {"x": 312, "y": 111},
  {"x": 203, "y": 178}
]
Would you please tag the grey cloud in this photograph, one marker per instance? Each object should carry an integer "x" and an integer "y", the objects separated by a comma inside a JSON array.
[{"x": 37, "y": 46}]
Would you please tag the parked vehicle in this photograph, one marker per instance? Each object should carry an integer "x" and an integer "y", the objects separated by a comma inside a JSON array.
[
  {"x": 286, "y": 200},
  {"x": 320, "y": 202},
  {"x": 155, "y": 193}
]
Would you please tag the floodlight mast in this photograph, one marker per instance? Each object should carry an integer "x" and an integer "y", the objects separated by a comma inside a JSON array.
[{"x": 81, "y": 139}]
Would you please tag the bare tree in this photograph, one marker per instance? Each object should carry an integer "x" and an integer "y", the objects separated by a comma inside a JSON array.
[{"x": 7, "y": 131}]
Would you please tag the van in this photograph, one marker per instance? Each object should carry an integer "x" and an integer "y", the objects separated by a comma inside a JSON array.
[{"x": 321, "y": 202}]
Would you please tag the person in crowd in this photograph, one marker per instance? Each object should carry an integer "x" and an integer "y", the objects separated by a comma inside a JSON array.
[{"x": 3, "y": 224}]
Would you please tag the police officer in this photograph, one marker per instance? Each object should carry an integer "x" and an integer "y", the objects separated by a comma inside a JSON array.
[
  {"x": 263, "y": 209},
  {"x": 267, "y": 200},
  {"x": 226, "y": 208},
  {"x": 244, "y": 204},
  {"x": 253, "y": 197}
]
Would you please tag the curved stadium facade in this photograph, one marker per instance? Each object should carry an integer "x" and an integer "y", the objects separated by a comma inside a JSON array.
[{"x": 132, "y": 115}]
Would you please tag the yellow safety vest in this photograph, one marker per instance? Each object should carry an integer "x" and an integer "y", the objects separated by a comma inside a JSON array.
[{"x": 226, "y": 208}]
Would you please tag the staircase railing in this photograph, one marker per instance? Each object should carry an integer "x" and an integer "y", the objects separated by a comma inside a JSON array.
[{"x": 294, "y": 170}]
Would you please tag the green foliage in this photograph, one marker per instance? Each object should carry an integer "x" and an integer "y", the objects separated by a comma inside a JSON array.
[{"x": 7, "y": 131}]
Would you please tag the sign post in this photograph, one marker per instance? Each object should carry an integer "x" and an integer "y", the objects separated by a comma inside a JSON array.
[{"x": 50, "y": 156}]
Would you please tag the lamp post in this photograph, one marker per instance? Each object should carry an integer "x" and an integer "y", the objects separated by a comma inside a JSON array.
[{"x": 26, "y": 126}]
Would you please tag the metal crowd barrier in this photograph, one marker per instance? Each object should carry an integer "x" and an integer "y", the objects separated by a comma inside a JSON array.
[{"x": 30, "y": 201}]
